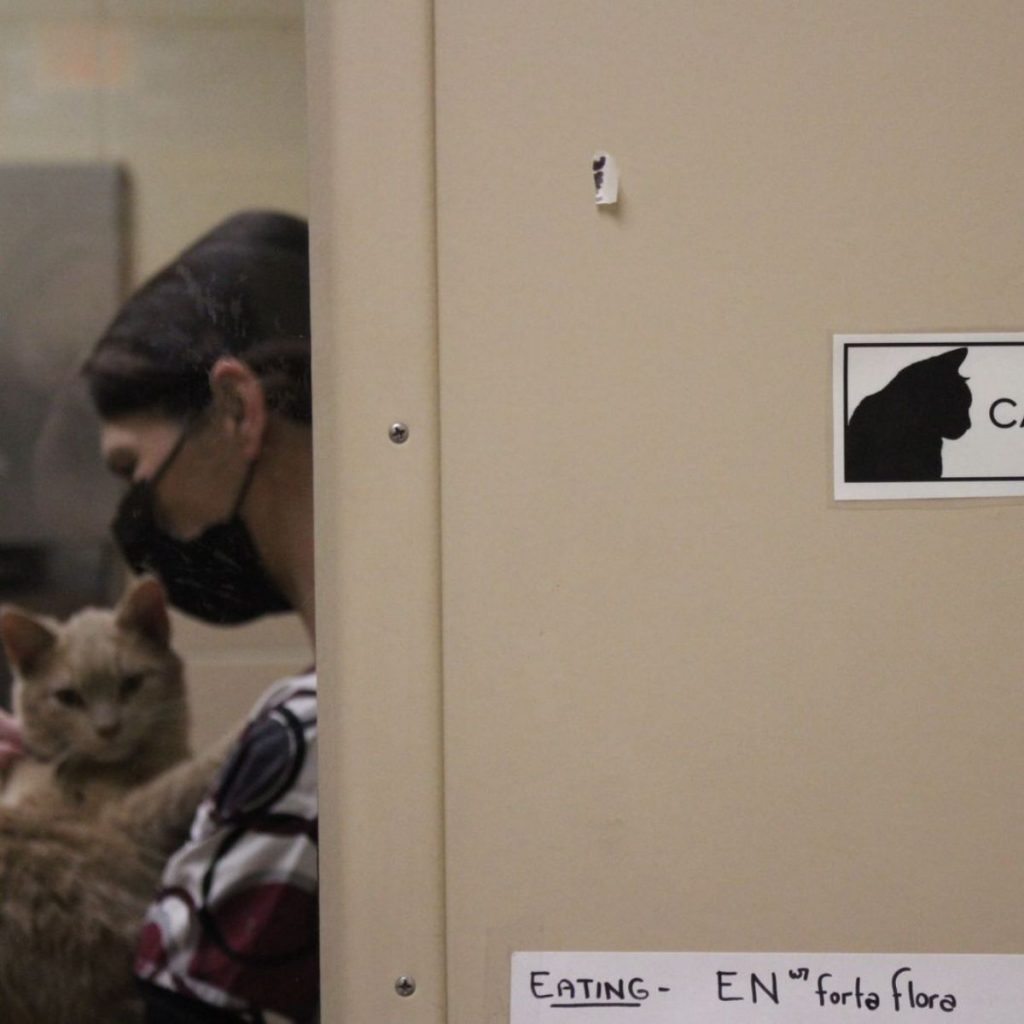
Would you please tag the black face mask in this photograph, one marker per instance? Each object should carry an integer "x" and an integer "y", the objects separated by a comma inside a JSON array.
[{"x": 218, "y": 576}]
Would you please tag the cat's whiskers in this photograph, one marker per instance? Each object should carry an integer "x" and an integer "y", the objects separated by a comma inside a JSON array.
[
  {"x": 49, "y": 754},
  {"x": 154, "y": 717}
]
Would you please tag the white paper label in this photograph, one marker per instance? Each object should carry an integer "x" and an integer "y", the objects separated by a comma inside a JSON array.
[
  {"x": 928, "y": 415},
  {"x": 757, "y": 988}
]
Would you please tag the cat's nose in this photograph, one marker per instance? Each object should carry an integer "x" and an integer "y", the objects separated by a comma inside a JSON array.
[{"x": 108, "y": 730}]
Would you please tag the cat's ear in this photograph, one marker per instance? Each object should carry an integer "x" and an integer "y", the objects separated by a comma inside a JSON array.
[
  {"x": 955, "y": 357},
  {"x": 25, "y": 638},
  {"x": 143, "y": 610}
]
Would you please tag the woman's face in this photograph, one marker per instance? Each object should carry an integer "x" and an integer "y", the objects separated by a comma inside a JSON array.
[{"x": 201, "y": 483}]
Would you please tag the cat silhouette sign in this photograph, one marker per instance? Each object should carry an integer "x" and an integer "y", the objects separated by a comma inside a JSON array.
[{"x": 928, "y": 415}]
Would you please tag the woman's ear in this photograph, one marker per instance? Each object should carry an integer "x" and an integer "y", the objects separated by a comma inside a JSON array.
[{"x": 240, "y": 403}]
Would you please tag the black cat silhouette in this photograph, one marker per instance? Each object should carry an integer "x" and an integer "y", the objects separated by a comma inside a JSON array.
[{"x": 896, "y": 433}]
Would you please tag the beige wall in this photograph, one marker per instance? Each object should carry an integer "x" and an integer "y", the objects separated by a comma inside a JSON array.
[
  {"x": 204, "y": 105},
  {"x": 378, "y": 511},
  {"x": 689, "y": 701}
]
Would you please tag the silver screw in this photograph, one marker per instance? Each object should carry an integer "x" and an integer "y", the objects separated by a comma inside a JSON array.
[
  {"x": 405, "y": 986},
  {"x": 399, "y": 433}
]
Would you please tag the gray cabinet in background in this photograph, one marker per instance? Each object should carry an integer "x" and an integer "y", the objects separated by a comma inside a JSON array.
[{"x": 63, "y": 269}]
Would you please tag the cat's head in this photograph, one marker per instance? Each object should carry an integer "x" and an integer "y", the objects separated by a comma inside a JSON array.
[
  {"x": 936, "y": 393},
  {"x": 100, "y": 685}
]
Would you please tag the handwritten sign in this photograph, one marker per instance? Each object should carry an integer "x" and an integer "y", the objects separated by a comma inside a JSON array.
[
  {"x": 756, "y": 988},
  {"x": 928, "y": 415}
]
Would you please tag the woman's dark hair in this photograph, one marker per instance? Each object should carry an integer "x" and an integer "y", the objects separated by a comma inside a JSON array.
[{"x": 242, "y": 290}]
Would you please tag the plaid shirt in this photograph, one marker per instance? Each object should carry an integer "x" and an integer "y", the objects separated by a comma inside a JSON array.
[{"x": 235, "y": 922}]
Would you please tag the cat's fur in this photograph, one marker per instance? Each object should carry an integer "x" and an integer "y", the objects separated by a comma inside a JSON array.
[
  {"x": 897, "y": 433},
  {"x": 107, "y": 793}
]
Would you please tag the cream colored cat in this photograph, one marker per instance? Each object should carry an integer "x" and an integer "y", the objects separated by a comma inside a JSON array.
[{"x": 107, "y": 792}]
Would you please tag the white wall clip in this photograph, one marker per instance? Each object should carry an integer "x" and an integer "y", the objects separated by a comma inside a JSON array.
[{"x": 606, "y": 179}]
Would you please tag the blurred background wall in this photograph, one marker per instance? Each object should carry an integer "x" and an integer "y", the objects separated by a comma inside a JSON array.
[{"x": 199, "y": 107}]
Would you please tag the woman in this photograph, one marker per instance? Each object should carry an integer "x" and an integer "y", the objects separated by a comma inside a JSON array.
[{"x": 202, "y": 382}]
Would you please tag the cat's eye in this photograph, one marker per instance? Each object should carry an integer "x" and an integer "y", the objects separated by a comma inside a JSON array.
[
  {"x": 131, "y": 685},
  {"x": 69, "y": 698}
]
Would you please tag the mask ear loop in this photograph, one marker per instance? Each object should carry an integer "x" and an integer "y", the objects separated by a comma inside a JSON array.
[
  {"x": 244, "y": 489},
  {"x": 186, "y": 431}
]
